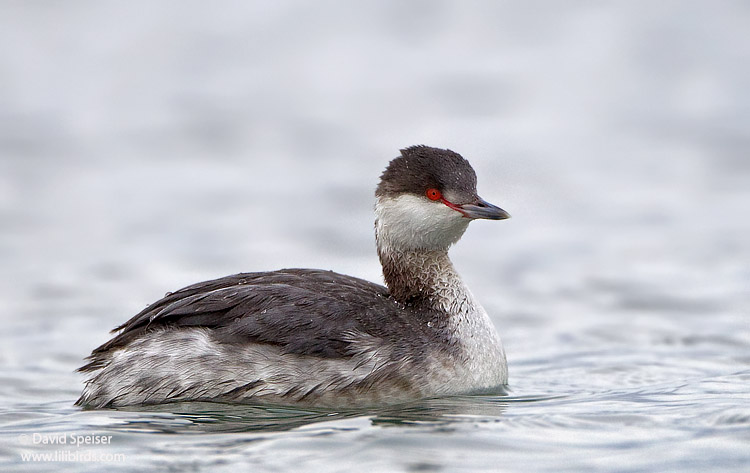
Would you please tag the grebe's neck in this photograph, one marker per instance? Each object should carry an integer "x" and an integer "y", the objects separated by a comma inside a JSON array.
[
  {"x": 413, "y": 236},
  {"x": 427, "y": 278}
]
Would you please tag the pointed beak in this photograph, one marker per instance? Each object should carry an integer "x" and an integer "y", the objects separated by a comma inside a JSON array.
[{"x": 483, "y": 209}]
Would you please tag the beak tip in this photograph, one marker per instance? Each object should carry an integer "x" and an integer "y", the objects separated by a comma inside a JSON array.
[{"x": 484, "y": 210}]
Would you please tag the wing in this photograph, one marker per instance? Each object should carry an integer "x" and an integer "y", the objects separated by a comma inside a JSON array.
[{"x": 310, "y": 312}]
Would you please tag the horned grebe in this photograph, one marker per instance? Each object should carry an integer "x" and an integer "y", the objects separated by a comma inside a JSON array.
[{"x": 313, "y": 337}]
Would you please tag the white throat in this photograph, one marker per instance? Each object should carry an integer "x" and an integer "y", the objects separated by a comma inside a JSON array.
[{"x": 412, "y": 223}]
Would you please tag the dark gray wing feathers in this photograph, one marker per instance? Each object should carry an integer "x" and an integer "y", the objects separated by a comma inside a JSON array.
[{"x": 304, "y": 311}]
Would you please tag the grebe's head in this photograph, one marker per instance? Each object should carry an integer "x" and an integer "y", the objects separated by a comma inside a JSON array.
[{"x": 426, "y": 199}]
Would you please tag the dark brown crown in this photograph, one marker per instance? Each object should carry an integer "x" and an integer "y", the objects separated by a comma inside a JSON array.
[{"x": 421, "y": 167}]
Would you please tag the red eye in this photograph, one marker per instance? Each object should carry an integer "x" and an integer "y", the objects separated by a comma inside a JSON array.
[{"x": 433, "y": 194}]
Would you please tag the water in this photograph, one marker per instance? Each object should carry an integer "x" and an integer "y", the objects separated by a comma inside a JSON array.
[{"x": 147, "y": 147}]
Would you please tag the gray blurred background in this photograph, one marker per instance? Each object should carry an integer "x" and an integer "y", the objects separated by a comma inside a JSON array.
[{"x": 148, "y": 145}]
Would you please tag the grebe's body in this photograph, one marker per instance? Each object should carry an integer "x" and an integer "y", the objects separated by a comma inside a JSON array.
[{"x": 301, "y": 336}]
